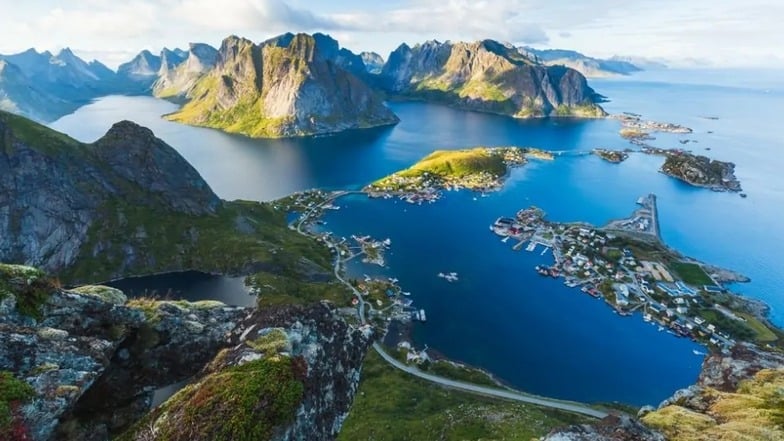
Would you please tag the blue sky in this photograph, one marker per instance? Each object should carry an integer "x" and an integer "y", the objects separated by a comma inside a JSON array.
[{"x": 695, "y": 32}]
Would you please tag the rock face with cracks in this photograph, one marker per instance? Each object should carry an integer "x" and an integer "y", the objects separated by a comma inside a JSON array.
[{"x": 91, "y": 359}]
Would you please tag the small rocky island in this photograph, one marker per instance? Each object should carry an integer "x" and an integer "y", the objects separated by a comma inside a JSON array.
[
  {"x": 480, "y": 169},
  {"x": 701, "y": 171},
  {"x": 614, "y": 156}
]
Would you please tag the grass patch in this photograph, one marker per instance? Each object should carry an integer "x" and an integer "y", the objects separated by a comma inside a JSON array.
[
  {"x": 13, "y": 392},
  {"x": 764, "y": 334},
  {"x": 691, "y": 273},
  {"x": 241, "y": 403},
  {"x": 240, "y": 236},
  {"x": 274, "y": 289},
  {"x": 391, "y": 405},
  {"x": 446, "y": 369},
  {"x": 31, "y": 288},
  {"x": 270, "y": 343},
  {"x": 753, "y": 412}
]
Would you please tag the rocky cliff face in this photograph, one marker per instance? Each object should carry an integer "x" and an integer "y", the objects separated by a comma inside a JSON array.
[
  {"x": 490, "y": 77},
  {"x": 293, "y": 85},
  {"x": 52, "y": 187},
  {"x": 374, "y": 63},
  {"x": 18, "y": 94},
  {"x": 90, "y": 360},
  {"x": 291, "y": 374},
  {"x": 178, "y": 79}
]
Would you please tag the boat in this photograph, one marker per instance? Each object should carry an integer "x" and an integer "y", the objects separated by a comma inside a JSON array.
[
  {"x": 422, "y": 316},
  {"x": 405, "y": 293},
  {"x": 696, "y": 352}
]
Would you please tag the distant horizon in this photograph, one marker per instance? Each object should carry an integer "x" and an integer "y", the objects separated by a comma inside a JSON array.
[
  {"x": 671, "y": 65},
  {"x": 701, "y": 33}
]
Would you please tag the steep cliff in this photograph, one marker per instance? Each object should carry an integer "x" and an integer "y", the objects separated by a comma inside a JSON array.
[
  {"x": 490, "y": 77},
  {"x": 128, "y": 204},
  {"x": 291, "y": 374},
  {"x": 18, "y": 94},
  {"x": 177, "y": 80},
  {"x": 82, "y": 364},
  {"x": 292, "y": 85}
]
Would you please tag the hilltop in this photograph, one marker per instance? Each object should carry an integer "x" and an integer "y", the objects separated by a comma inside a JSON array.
[
  {"x": 488, "y": 76},
  {"x": 292, "y": 85}
]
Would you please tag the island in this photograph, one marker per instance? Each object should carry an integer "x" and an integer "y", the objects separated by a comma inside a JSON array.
[
  {"x": 701, "y": 171},
  {"x": 480, "y": 169},
  {"x": 633, "y": 126},
  {"x": 614, "y": 156},
  {"x": 626, "y": 263}
]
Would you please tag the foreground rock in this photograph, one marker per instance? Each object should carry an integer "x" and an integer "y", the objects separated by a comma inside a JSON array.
[
  {"x": 291, "y": 374},
  {"x": 701, "y": 171},
  {"x": 490, "y": 77},
  {"x": 91, "y": 361},
  {"x": 70, "y": 345},
  {"x": 292, "y": 85}
]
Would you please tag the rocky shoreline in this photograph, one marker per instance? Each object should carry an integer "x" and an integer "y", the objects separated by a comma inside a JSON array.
[{"x": 701, "y": 171}]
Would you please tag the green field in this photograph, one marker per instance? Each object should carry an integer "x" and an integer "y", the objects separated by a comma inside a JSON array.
[
  {"x": 391, "y": 405},
  {"x": 691, "y": 273}
]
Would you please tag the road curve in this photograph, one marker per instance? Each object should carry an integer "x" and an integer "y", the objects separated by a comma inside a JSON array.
[{"x": 488, "y": 391}]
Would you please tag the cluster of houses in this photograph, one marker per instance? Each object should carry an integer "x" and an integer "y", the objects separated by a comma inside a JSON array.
[{"x": 636, "y": 283}]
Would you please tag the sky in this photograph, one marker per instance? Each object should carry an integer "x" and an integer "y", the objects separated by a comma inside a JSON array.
[{"x": 714, "y": 33}]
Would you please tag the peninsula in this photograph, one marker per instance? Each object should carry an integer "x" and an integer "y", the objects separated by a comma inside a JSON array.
[
  {"x": 701, "y": 171},
  {"x": 479, "y": 169},
  {"x": 626, "y": 264}
]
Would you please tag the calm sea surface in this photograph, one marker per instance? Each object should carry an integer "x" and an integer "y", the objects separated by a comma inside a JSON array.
[{"x": 532, "y": 332}]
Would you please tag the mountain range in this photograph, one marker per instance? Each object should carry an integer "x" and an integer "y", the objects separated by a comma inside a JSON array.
[{"x": 299, "y": 85}]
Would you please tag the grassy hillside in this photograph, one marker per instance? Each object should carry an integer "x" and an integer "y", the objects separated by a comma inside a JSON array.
[
  {"x": 754, "y": 412},
  {"x": 391, "y": 405},
  {"x": 470, "y": 168}
]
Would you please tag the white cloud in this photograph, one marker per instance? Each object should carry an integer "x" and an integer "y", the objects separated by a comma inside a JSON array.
[{"x": 725, "y": 32}]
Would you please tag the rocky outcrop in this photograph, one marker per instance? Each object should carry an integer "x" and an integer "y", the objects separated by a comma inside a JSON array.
[
  {"x": 611, "y": 428},
  {"x": 291, "y": 374},
  {"x": 177, "y": 80},
  {"x": 292, "y": 85},
  {"x": 701, "y": 171},
  {"x": 490, "y": 77},
  {"x": 374, "y": 62},
  {"x": 93, "y": 358},
  {"x": 52, "y": 187},
  {"x": 90, "y": 356},
  {"x": 724, "y": 372},
  {"x": 138, "y": 74}
]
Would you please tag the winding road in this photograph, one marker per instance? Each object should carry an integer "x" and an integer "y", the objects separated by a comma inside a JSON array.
[{"x": 506, "y": 394}]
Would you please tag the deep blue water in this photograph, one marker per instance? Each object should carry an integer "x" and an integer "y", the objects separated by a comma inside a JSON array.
[{"x": 532, "y": 332}]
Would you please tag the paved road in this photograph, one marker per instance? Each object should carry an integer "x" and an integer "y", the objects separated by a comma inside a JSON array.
[
  {"x": 459, "y": 385},
  {"x": 488, "y": 391}
]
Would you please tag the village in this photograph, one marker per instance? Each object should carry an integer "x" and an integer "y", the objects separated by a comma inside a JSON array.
[{"x": 625, "y": 264}]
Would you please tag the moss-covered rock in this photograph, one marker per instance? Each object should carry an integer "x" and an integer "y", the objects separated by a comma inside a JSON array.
[
  {"x": 13, "y": 393},
  {"x": 105, "y": 293},
  {"x": 755, "y": 411}
]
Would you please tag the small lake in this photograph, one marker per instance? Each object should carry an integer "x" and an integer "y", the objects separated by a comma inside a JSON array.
[{"x": 190, "y": 285}]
